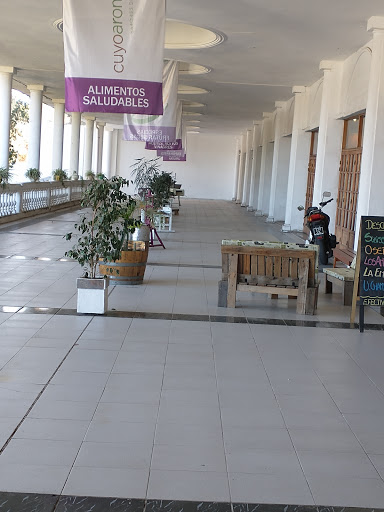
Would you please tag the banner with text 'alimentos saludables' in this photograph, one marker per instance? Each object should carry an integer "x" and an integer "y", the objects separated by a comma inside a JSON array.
[
  {"x": 157, "y": 128},
  {"x": 113, "y": 53}
]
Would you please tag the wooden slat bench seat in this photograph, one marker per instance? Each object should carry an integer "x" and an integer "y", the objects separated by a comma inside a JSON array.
[
  {"x": 274, "y": 268},
  {"x": 343, "y": 277}
]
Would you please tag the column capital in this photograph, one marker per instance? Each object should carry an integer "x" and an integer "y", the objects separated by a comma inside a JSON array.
[
  {"x": 35, "y": 87},
  {"x": 327, "y": 65},
  {"x": 257, "y": 123},
  {"x": 298, "y": 89},
  {"x": 101, "y": 125},
  {"x": 7, "y": 69},
  {"x": 279, "y": 104},
  {"x": 267, "y": 115},
  {"x": 375, "y": 23},
  {"x": 58, "y": 100},
  {"x": 89, "y": 118}
]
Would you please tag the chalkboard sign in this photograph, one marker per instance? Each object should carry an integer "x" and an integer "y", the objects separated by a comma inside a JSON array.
[{"x": 372, "y": 261}]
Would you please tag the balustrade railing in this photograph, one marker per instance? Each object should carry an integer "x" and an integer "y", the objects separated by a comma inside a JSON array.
[{"x": 20, "y": 200}]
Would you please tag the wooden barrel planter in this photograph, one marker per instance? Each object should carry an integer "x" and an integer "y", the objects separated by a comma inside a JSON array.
[{"x": 130, "y": 268}]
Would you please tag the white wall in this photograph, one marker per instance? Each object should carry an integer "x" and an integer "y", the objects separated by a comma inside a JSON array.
[{"x": 208, "y": 172}]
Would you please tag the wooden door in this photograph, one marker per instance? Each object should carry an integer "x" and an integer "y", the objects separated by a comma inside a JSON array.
[
  {"x": 349, "y": 181},
  {"x": 311, "y": 174}
]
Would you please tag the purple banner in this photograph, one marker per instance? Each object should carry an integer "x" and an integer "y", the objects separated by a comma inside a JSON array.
[
  {"x": 169, "y": 146},
  {"x": 175, "y": 158},
  {"x": 116, "y": 96},
  {"x": 147, "y": 132}
]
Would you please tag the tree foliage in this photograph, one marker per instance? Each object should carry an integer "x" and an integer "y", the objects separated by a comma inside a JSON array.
[
  {"x": 104, "y": 230},
  {"x": 19, "y": 115}
]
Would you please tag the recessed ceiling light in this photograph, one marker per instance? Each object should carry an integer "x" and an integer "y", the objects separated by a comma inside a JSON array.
[
  {"x": 187, "y": 113},
  {"x": 185, "y": 68},
  {"x": 179, "y": 35},
  {"x": 187, "y": 103},
  {"x": 189, "y": 89}
]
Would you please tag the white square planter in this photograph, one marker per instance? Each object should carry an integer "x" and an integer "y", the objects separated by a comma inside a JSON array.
[{"x": 92, "y": 295}]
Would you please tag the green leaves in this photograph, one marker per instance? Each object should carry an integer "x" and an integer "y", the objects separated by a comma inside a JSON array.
[{"x": 105, "y": 226}]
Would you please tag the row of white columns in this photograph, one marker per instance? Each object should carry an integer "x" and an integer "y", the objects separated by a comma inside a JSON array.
[
  {"x": 106, "y": 162},
  {"x": 275, "y": 188}
]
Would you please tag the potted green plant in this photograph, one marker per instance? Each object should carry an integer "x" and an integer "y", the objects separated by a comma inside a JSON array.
[
  {"x": 33, "y": 174},
  {"x": 160, "y": 185},
  {"x": 5, "y": 176},
  {"x": 143, "y": 171},
  {"x": 59, "y": 175},
  {"x": 89, "y": 175},
  {"x": 130, "y": 267},
  {"x": 102, "y": 232}
]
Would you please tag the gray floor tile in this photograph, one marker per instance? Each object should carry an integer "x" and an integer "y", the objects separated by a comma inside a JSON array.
[
  {"x": 39, "y": 452},
  {"x": 321, "y": 465},
  {"x": 325, "y": 441},
  {"x": 189, "y": 458},
  {"x": 120, "y": 432},
  {"x": 23, "y": 478},
  {"x": 188, "y": 485},
  {"x": 347, "y": 492},
  {"x": 114, "y": 455},
  {"x": 52, "y": 429},
  {"x": 264, "y": 488},
  {"x": 116, "y": 482}
]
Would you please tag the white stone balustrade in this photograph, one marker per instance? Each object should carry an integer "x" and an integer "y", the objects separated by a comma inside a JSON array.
[{"x": 27, "y": 199}]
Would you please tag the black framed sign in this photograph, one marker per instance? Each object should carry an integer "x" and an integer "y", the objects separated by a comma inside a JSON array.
[{"x": 372, "y": 261}]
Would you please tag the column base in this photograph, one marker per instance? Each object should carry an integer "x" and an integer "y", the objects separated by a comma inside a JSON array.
[
  {"x": 238, "y": 201},
  {"x": 258, "y": 213},
  {"x": 286, "y": 228},
  {"x": 243, "y": 205},
  {"x": 250, "y": 209},
  {"x": 270, "y": 219},
  {"x": 234, "y": 199}
]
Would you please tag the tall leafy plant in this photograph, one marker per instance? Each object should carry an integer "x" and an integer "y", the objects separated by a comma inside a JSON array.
[
  {"x": 143, "y": 170},
  {"x": 103, "y": 231},
  {"x": 160, "y": 185}
]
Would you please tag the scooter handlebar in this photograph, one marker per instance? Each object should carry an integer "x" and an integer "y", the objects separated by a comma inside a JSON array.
[{"x": 323, "y": 203}]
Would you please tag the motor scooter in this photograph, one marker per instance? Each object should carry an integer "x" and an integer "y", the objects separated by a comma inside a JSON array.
[{"x": 318, "y": 224}]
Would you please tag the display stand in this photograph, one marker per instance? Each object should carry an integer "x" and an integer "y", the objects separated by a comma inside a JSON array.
[{"x": 369, "y": 274}]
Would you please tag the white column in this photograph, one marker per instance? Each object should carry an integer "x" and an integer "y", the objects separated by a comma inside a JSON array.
[
  {"x": 6, "y": 75},
  {"x": 58, "y": 134},
  {"x": 88, "y": 143},
  {"x": 107, "y": 152},
  {"x": 75, "y": 143},
  {"x": 263, "y": 164},
  {"x": 237, "y": 167},
  {"x": 248, "y": 168},
  {"x": 329, "y": 139},
  {"x": 100, "y": 143},
  {"x": 371, "y": 179},
  {"x": 298, "y": 165},
  {"x": 35, "y": 111},
  {"x": 240, "y": 187},
  {"x": 253, "y": 188},
  {"x": 275, "y": 161},
  {"x": 115, "y": 134}
]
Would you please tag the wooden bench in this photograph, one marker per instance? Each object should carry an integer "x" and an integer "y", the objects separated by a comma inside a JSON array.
[
  {"x": 289, "y": 270},
  {"x": 343, "y": 277},
  {"x": 343, "y": 254}
]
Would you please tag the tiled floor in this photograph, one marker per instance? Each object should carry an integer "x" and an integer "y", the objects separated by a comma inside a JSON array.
[{"x": 173, "y": 398}]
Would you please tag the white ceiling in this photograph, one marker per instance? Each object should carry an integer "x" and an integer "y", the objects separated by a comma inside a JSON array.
[{"x": 269, "y": 46}]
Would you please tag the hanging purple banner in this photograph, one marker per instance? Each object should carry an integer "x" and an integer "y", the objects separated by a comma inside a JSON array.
[
  {"x": 170, "y": 146},
  {"x": 113, "y": 54}
]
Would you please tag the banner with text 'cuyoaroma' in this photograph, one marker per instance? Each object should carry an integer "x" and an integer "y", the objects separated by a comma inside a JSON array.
[
  {"x": 113, "y": 53},
  {"x": 157, "y": 128}
]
